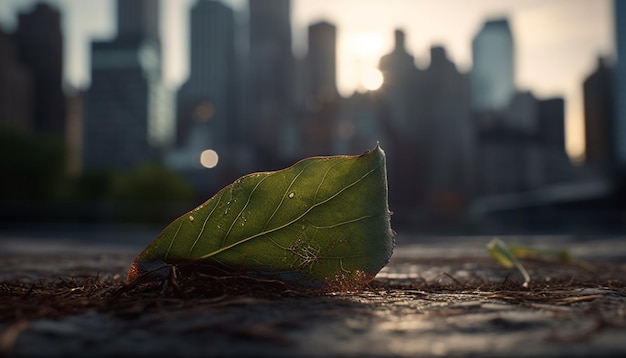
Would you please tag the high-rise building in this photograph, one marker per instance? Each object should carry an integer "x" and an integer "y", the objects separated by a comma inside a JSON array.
[
  {"x": 314, "y": 130},
  {"x": 40, "y": 46},
  {"x": 271, "y": 59},
  {"x": 138, "y": 19},
  {"x": 270, "y": 92},
  {"x": 506, "y": 120},
  {"x": 599, "y": 119},
  {"x": 397, "y": 112},
  {"x": 74, "y": 132},
  {"x": 128, "y": 110},
  {"x": 399, "y": 62},
  {"x": 493, "y": 73},
  {"x": 207, "y": 116},
  {"x": 551, "y": 118},
  {"x": 400, "y": 76},
  {"x": 522, "y": 113},
  {"x": 556, "y": 165},
  {"x": 321, "y": 59},
  {"x": 619, "y": 125},
  {"x": 208, "y": 95},
  {"x": 447, "y": 139},
  {"x": 16, "y": 88}
]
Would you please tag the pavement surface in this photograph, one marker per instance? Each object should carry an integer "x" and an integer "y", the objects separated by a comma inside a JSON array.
[{"x": 439, "y": 296}]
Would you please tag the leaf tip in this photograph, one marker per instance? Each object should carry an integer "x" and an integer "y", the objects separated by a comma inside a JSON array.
[{"x": 378, "y": 149}]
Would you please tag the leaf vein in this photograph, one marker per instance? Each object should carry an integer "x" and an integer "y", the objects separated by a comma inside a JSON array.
[
  {"x": 324, "y": 179},
  {"x": 344, "y": 222},
  {"x": 284, "y": 195},
  {"x": 167, "y": 253},
  {"x": 224, "y": 248},
  {"x": 219, "y": 199},
  {"x": 241, "y": 211}
]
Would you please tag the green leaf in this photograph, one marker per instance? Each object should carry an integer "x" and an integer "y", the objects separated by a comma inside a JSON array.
[
  {"x": 502, "y": 253},
  {"x": 322, "y": 222}
]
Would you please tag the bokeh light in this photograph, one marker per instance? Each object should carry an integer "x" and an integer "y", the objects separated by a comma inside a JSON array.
[
  {"x": 209, "y": 158},
  {"x": 203, "y": 111}
]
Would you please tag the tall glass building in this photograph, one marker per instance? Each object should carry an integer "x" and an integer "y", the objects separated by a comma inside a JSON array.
[
  {"x": 321, "y": 59},
  {"x": 40, "y": 46},
  {"x": 206, "y": 102},
  {"x": 271, "y": 59},
  {"x": 128, "y": 118},
  {"x": 492, "y": 78},
  {"x": 619, "y": 128}
]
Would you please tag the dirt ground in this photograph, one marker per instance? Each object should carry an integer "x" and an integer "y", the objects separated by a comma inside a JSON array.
[{"x": 431, "y": 300}]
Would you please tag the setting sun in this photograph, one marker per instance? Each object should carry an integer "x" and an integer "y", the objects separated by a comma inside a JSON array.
[
  {"x": 366, "y": 45},
  {"x": 358, "y": 61},
  {"x": 371, "y": 79}
]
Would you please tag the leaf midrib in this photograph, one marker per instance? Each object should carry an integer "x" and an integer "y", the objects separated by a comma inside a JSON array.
[{"x": 266, "y": 232}]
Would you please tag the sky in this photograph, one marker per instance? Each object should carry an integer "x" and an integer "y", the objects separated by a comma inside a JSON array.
[{"x": 557, "y": 42}]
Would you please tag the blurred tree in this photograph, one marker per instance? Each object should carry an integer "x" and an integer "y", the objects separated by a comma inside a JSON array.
[
  {"x": 152, "y": 182},
  {"x": 32, "y": 166},
  {"x": 94, "y": 184}
]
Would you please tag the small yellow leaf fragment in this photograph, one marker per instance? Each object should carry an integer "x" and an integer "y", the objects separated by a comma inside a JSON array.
[
  {"x": 502, "y": 253},
  {"x": 191, "y": 218}
]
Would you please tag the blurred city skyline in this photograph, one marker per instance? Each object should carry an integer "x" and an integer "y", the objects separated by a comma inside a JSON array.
[
  {"x": 557, "y": 42},
  {"x": 467, "y": 147}
]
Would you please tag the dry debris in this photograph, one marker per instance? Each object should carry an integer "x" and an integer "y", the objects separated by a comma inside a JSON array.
[
  {"x": 562, "y": 291},
  {"x": 23, "y": 301}
]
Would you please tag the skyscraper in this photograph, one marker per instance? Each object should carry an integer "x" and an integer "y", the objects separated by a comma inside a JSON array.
[
  {"x": 599, "y": 118},
  {"x": 40, "y": 47},
  {"x": 207, "y": 116},
  {"x": 400, "y": 76},
  {"x": 271, "y": 59},
  {"x": 398, "y": 117},
  {"x": 270, "y": 93},
  {"x": 551, "y": 118},
  {"x": 138, "y": 19},
  {"x": 448, "y": 136},
  {"x": 314, "y": 130},
  {"x": 321, "y": 59},
  {"x": 399, "y": 62},
  {"x": 619, "y": 125},
  {"x": 128, "y": 111},
  {"x": 492, "y": 76},
  {"x": 16, "y": 87}
]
